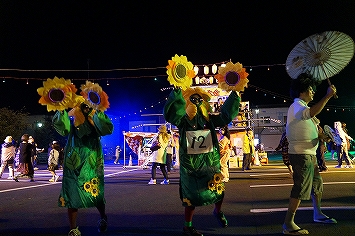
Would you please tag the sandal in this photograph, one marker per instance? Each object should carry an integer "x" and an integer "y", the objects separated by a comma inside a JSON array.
[
  {"x": 299, "y": 231},
  {"x": 325, "y": 220}
]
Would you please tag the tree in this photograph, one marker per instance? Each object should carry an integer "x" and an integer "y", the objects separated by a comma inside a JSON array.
[{"x": 12, "y": 123}]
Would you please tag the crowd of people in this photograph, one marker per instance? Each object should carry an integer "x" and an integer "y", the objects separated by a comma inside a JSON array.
[{"x": 22, "y": 158}]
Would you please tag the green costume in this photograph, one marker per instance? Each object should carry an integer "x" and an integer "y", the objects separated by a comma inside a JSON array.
[
  {"x": 83, "y": 167},
  {"x": 200, "y": 178}
]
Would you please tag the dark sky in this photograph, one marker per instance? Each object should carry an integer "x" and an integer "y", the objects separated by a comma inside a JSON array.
[{"x": 56, "y": 36}]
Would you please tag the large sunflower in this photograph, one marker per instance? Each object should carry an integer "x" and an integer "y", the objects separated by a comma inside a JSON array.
[
  {"x": 232, "y": 77},
  {"x": 95, "y": 96},
  {"x": 57, "y": 94},
  {"x": 191, "y": 109},
  {"x": 180, "y": 72}
]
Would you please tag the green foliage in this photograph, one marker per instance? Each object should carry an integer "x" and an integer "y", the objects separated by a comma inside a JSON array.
[{"x": 12, "y": 123}]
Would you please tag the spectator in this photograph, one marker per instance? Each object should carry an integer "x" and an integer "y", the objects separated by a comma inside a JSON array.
[
  {"x": 25, "y": 159},
  {"x": 7, "y": 156},
  {"x": 53, "y": 160},
  {"x": 248, "y": 149},
  {"x": 343, "y": 154},
  {"x": 283, "y": 145},
  {"x": 34, "y": 152},
  {"x": 117, "y": 155},
  {"x": 225, "y": 151},
  {"x": 159, "y": 155}
]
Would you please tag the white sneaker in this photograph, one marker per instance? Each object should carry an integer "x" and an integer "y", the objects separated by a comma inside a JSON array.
[
  {"x": 348, "y": 166},
  {"x": 56, "y": 178},
  {"x": 10, "y": 177},
  {"x": 152, "y": 181},
  {"x": 74, "y": 232},
  {"x": 164, "y": 181}
]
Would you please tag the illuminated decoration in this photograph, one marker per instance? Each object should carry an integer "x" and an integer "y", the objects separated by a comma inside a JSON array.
[
  {"x": 180, "y": 72},
  {"x": 206, "y": 70},
  {"x": 191, "y": 109},
  {"x": 95, "y": 96},
  {"x": 196, "y": 70},
  {"x": 197, "y": 80},
  {"x": 214, "y": 69},
  {"x": 58, "y": 94},
  {"x": 232, "y": 77}
]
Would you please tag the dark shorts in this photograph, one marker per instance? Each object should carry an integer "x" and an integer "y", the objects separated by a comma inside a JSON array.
[{"x": 306, "y": 177}]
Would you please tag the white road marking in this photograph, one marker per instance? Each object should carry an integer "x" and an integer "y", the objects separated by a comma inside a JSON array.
[
  {"x": 42, "y": 185},
  {"x": 266, "y": 210},
  {"x": 291, "y": 184}
]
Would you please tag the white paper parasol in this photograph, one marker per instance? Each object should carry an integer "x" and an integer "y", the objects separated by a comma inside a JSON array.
[{"x": 320, "y": 55}]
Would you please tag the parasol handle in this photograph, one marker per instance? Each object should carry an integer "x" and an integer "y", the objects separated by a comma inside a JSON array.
[{"x": 334, "y": 96}]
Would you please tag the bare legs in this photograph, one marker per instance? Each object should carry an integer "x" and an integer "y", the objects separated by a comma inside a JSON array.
[
  {"x": 190, "y": 210},
  {"x": 290, "y": 215},
  {"x": 72, "y": 215}
]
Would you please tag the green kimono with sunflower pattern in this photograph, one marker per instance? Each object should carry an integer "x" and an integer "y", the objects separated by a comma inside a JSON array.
[
  {"x": 83, "y": 167},
  {"x": 200, "y": 171}
]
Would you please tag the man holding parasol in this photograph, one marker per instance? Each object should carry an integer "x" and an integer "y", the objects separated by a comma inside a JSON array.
[{"x": 314, "y": 59}]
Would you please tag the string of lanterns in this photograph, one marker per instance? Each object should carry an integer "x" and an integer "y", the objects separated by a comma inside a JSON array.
[
  {"x": 206, "y": 78},
  {"x": 203, "y": 80}
]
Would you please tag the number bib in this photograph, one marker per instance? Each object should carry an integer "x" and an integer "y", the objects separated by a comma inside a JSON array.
[{"x": 199, "y": 141}]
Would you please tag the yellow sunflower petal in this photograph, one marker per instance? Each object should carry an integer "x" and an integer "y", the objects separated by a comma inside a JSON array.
[
  {"x": 95, "y": 89},
  {"x": 55, "y": 86},
  {"x": 237, "y": 71},
  {"x": 179, "y": 71}
]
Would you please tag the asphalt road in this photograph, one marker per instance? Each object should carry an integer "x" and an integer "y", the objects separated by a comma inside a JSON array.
[{"x": 255, "y": 204}]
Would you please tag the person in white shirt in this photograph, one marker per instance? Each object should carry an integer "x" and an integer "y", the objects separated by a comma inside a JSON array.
[
  {"x": 53, "y": 158},
  {"x": 302, "y": 134}
]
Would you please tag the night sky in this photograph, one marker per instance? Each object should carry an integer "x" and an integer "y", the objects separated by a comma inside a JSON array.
[{"x": 127, "y": 44}]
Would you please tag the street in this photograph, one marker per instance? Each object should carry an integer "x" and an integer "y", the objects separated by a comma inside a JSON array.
[{"x": 255, "y": 203}]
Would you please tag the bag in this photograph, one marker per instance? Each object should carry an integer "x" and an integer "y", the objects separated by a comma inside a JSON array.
[
  {"x": 52, "y": 167},
  {"x": 155, "y": 146}
]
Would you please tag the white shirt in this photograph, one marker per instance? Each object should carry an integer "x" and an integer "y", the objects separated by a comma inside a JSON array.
[{"x": 301, "y": 129}]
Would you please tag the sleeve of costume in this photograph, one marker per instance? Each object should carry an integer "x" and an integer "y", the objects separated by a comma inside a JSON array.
[
  {"x": 103, "y": 123},
  {"x": 229, "y": 110},
  {"x": 174, "y": 109},
  {"x": 222, "y": 144},
  {"x": 302, "y": 112},
  {"x": 61, "y": 123}
]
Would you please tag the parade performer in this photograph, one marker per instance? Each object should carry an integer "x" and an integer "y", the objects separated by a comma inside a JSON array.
[
  {"x": 200, "y": 170},
  {"x": 83, "y": 170}
]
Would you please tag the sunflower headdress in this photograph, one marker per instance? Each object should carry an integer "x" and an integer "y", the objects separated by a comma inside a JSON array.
[
  {"x": 58, "y": 94},
  {"x": 191, "y": 109},
  {"x": 94, "y": 95},
  {"x": 232, "y": 77},
  {"x": 180, "y": 72}
]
